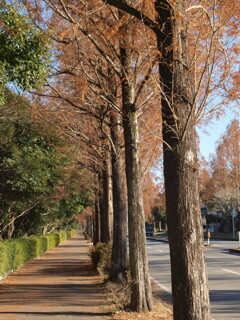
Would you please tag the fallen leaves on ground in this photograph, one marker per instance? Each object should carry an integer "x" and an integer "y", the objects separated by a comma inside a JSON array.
[{"x": 160, "y": 313}]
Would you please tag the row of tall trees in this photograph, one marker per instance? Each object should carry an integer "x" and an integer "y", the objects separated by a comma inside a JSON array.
[
  {"x": 111, "y": 95},
  {"x": 127, "y": 76},
  {"x": 110, "y": 34}
]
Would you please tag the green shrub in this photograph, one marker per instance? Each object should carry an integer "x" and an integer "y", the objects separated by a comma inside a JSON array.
[
  {"x": 53, "y": 240},
  {"x": 6, "y": 254},
  {"x": 71, "y": 233},
  {"x": 17, "y": 252},
  {"x": 23, "y": 251},
  {"x": 101, "y": 257},
  {"x": 63, "y": 236},
  {"x": 41, "y": 245}
]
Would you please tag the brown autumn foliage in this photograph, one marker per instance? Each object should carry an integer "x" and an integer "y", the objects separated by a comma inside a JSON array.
[
  {"x": 225, "y": 166},
  {"x": 220, "y": 183},
  {"x": 213, "y": 31},
  {"x": 150, "y": 192},
  {"x": 79, "y": 88},
  {"x": 211, "y": 70},
  {"x": 213, "y": 27}
]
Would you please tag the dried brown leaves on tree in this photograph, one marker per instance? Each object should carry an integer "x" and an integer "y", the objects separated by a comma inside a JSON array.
[
  {"x": 222, "y": 182},
  {"x": 196, "y": 78}
]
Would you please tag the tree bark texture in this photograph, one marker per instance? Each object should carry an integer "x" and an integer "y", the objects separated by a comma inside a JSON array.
[
  {"x": 189, "y": 279},
  {"x": 119, "y": 250},
  {"x": 101, "y": 208},
  {"x": 141, "y": 294}
]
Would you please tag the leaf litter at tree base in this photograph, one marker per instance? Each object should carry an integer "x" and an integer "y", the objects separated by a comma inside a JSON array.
[{"x": 159, "y": 313}]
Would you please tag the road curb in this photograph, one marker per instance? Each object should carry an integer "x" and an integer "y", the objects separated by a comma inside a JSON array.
[
  {"x": 157, "y": 239},
  {"x": 210, "y": 245}
]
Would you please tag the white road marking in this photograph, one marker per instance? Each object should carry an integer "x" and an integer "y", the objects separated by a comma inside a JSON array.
[
  {"x": 149, "y": 247},
  {"x": 161, "y": 285},
  {"x": 160, "y": 250},
  {"x": 231, "y": 271}
]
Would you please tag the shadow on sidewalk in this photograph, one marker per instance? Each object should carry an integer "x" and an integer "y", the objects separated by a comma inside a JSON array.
[
  {"x": 59, "y": 313},
  {"x": 61, "y": 284}
]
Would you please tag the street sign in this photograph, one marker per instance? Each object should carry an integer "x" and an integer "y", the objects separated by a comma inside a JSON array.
[{"x": 234, "y": 213}]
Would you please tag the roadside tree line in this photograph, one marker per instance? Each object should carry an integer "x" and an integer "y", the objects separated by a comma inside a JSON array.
[{"x": 128, "y": 81}]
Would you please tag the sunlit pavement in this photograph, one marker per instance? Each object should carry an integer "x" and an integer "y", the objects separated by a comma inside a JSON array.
[{"x": 223, "y": 274}]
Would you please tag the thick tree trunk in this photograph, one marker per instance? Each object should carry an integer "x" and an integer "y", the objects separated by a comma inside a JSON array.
[
  {"x": 141, "y": 294},
  {"x": 189, "y": 280},
  {"x": 119, "y": 250}
]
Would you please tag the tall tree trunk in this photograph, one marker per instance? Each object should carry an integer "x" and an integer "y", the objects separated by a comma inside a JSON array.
[
  {"x": 101, "y": 208},
  {"x": 108, "y": 198},
  {"x": 189, "y": 280},
  {"x": 89, "y": 226},
  {"x": 105, "y": 199},
  {"x": 104, "y": 238},
  {"x": 96, "y": 220},
  {"x": 141, "y": 294},
  {"x": 119, "y": 250}
]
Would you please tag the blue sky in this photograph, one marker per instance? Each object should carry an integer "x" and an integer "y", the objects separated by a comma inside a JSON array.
[{"x": 214, "y": 131}]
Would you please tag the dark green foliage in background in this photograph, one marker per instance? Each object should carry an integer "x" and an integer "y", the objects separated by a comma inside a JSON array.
[
  {"x": 159, "y": 214},
  {"x": 33, "y": 166}
]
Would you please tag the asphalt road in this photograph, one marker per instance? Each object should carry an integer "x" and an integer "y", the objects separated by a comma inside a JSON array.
[{"x": 223, "y": 274}]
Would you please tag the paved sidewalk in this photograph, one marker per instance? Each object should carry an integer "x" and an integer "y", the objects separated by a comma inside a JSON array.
[{"x": 59, "y": 285}]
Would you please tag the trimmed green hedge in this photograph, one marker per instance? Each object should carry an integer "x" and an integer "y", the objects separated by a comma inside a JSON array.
[
  {"x": 101, "y": 257},
  {"x": 17, "y": 252}
]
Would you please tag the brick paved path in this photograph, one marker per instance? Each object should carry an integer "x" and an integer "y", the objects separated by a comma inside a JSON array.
[{"x": 59, "y": 285}]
